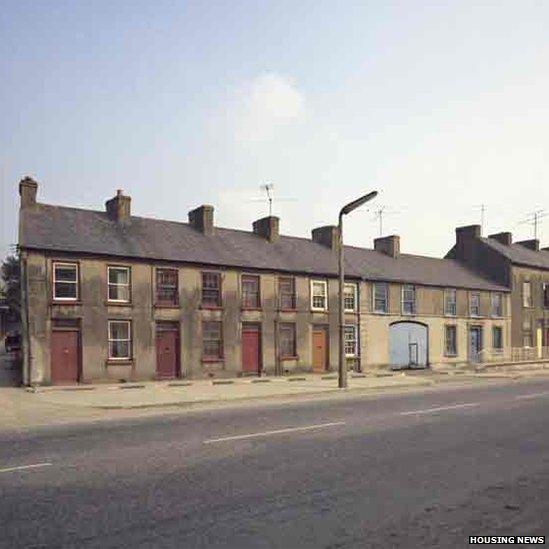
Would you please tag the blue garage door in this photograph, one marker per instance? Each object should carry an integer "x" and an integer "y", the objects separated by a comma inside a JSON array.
[{"x": 408, "y": 345}]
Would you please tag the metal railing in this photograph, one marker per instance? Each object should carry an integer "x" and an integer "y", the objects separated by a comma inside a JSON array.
[{"x": 514, "y": 354}]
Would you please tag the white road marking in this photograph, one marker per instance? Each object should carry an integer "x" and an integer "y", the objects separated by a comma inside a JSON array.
[
  {"x": 440, "y": 409},
  {"x": 532, "y": 395},
  {"x": 21, "y": 467},
  {"x": 277, "y": 432}
]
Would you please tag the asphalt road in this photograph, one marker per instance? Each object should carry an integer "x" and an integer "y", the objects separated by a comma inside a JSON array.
[{"x": 422, "y": 469}]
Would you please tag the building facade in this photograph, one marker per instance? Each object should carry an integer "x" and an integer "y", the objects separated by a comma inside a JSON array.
[
  {"x": 111, "y": 296},
  {"x": 524, "y": 268}
]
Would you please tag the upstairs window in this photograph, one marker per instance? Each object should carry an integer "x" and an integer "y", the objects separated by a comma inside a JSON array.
[
  {"x": 319, "y": 295},
  {"x": 474, "y": 304},
  {"x": 381, "y": 297},
  {"x": 65, "y": 281},
  {"x": 119, "y": 284},
  {"x": 286, "y": 292},
  {"x": 497, "y": 305},
  {"x": 408, "y": 300},
  {"x": 250, "y": 292},
  {"x": 212, "y": 341},
  {"x": 120, "y": 339},
  {"x": 211, "y": 289},
  {"x": 350, "y": 340},
  {"x": 350, "y": 291},
  {"x": 167, "y": 287},
  {"x": 287, "y": 340},
  {"x": 545, "y": 289},
  {"x": 527, "y": 294},
  {"x": 450, "y": 302}
]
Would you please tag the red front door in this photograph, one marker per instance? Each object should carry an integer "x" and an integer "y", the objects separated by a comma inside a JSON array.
[
  {"x": 320, "y": 349},
  {"x": 167, "y": 351},
  {"x": 251, "y": 348},
  {"x": 64, "y": 357}
]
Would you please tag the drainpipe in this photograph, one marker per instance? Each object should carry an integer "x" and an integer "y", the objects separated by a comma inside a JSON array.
[{"x": 25, "y": 326}]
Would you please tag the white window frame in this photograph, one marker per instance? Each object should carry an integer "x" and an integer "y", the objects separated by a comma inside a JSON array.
[
  {"x": 129, "y": 283},
  {"x": 129, "y": 340},
  {"x": 386, "y": 286},
  {"x": 448, "y": 292},
  {"x": 476, "y": 315},
  {"x": 354, "y": 340},
  {"x": 354, "y": 286},
  {"x": 403, "y": 289},
  {"x": 76, "y": 282},
  {"x": 325, "y": 285}
]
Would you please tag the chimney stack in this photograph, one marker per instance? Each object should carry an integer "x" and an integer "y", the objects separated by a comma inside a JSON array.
[
  {"x": 388, "y": 245},
  {"x": 119, "y": 207},
  {"x": 267, "y": 227},
  {"x": 469, "y": 231},
  {"x": 28, "y": 188},
  {"x": 532, "y": 244},
  {"x": 327, "y": 236},
  {"x": 202, "y": 219},
  {"x": 505, "y": 238}
]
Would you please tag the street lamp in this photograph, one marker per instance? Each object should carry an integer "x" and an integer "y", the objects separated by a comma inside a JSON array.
[{"x": 342, "y": 379}]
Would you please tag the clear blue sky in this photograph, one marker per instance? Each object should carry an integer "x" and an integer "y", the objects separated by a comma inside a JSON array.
[{"x": 441, "y": 106}]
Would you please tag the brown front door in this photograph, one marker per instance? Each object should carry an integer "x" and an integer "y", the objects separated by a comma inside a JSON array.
[
  {"x": 251, "y": 348},
  {"x": 320, "y": 349},
  {"x": 167, "y": 350},
  {"x": 64, "y": 357}
]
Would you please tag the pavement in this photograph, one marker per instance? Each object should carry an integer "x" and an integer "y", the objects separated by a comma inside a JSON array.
[
  {"x": 425, "y": 467},
  {"x": 26, "y": 408}
]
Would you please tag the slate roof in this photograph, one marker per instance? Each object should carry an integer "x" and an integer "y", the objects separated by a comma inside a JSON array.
[
  {"x": 520, "y": 255},
  {"x": 63, "y": 229}
]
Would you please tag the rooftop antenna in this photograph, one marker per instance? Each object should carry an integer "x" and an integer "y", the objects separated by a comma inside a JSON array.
[
  {"x": 268, "y": 189},
  {"x": 482, "y": 208},
  {"x": 379, "y": 214},
  {"x": 534, "y": 218}
]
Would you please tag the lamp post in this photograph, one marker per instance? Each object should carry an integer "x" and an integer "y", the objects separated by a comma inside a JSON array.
[{"x": 342, "y": 378}]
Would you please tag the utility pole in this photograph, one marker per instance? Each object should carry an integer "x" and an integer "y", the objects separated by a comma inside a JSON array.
[{"x": 348, "y": 208}]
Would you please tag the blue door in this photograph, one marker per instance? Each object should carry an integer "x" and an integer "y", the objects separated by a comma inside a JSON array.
[{"x": 408, "y": 345}]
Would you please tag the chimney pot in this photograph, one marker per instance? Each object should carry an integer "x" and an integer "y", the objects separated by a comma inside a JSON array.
[
  {"x": 532, "y": 244},
  {"x": 505, "y": 238},
  {"x": 327, "y": 236},
  {"x": 118, "y": 208},
  {"x": 202, "y": 219},
  {"x": 267, "y": 227},
  {"x": 28, "y": 189},
  {"x": 388, "y": 245}
]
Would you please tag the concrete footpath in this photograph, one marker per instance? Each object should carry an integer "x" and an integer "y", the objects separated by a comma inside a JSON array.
[{"x": 26, "y": 408}]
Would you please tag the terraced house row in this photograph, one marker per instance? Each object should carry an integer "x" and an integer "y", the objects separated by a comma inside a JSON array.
[{"x": 111, "y": 296}]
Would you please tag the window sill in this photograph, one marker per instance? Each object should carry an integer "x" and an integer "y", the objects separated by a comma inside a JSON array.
[
  {"x": 319, "y": 310},
  {"x": 251, "y": 309},
  {"x": 119, "y": 362},
  {"x": 211, "y": 359},
  {"x": 382, "y": 313},
  {"x": 284, "y": 310},
  {"x": 447, "y": 355},
  {"x": 350, "y": 312},
  {"x": 166, "y": 306},
  {"x": 288, "y": 357},
  {"x": 118, "y": 303},
  {"x": 211, "y": 307},
  {"x": 67, "y": 302}
]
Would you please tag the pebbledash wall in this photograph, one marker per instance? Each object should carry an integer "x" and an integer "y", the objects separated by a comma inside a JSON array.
[{"x": 92, "y": 311}]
